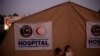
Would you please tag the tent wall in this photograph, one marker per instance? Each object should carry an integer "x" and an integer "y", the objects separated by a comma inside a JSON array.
[
  {"x": 68, "y": 28},
  {"x": 78, "y": 18}
]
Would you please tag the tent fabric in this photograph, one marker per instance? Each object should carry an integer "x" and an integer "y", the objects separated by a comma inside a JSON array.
[{"x": 69, "y": 27}]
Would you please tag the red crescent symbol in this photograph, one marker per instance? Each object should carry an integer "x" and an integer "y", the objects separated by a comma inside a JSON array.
[
  {"x": 7, "y": 22},
  {"x": 37, "y": 31}
]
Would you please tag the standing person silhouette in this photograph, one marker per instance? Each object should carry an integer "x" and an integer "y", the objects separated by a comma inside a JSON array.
[{"x": 68, "y": 51}]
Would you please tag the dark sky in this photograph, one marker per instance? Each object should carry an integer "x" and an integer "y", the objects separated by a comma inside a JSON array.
[{"x": 25, "y": 7}]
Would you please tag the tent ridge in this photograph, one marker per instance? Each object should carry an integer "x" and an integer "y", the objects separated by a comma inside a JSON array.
[
  {"x": 78, "y": 12},
  {"x": 65, "y": 3},
  {"x": 69, "y": 2}
]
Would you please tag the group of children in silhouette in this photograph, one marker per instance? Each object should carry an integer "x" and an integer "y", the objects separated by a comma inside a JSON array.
[{"x": 67, "y": 51}]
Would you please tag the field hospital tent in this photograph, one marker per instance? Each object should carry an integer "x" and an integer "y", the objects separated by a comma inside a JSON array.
[{"x": 68, "y": 28}]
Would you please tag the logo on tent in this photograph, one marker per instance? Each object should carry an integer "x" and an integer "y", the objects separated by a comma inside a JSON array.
[
  {"x": 26, "y": 31},
  {"x": 39, "y": 30},
  {"x": 95, "y": 30}
]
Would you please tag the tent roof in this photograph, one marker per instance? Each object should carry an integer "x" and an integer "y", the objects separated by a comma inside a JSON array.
[{"x": 81, "y": 10}]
